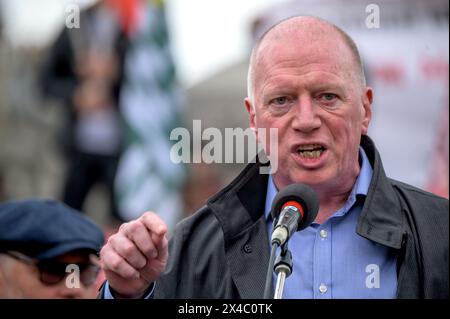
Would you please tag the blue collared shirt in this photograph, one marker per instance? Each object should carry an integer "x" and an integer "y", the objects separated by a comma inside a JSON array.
[{"x": 331, "y": 260}]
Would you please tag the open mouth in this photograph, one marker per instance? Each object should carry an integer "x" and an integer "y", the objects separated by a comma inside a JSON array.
[{"x": 310, "y": 151}]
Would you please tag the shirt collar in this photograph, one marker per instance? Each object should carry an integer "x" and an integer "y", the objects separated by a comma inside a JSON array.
[{"x": 361, "y": 186}]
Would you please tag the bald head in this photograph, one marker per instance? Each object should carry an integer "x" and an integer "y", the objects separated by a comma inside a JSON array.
[{"x": 308, "y": 31}]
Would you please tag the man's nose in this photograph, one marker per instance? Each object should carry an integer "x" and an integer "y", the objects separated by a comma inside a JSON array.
[{"x": 306, "y": 118}]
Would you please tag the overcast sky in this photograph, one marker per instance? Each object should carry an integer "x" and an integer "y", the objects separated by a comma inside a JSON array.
[{"x": 207, "y": 35}]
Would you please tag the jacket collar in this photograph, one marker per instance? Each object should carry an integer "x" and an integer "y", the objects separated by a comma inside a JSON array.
[
  {"x": 381, "y": 217},
  {"x": 239, "y": 209}
]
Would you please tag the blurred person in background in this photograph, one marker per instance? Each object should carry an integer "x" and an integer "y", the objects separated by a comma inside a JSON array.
[
  {"x": 152, "y": 105},
  {"x": 84, "y": 71},
  {"x": 118, "y": 67},
  {"x": 47, "y": 250}
]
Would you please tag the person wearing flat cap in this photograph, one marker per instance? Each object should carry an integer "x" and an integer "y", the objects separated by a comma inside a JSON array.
[{"x": 47, "y": 250}]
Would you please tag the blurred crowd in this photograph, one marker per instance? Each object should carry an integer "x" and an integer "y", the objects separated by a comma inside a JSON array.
[{"x": 87, "y": 119}]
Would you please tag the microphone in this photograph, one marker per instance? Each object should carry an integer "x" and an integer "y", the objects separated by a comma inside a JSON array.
[{"x": 296, "y": 206}]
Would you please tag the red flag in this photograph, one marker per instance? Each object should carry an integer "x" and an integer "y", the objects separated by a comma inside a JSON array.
[{"x": 127, "y": 12}]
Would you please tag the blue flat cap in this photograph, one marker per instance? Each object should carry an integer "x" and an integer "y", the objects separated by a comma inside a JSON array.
[{"x": 44, "y": 229}]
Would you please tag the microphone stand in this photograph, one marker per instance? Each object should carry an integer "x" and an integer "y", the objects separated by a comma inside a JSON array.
[
  {"x": 283, "y": 269},
  {"x": 282, "y": 266},
  {"x": 268, "y": 286}
]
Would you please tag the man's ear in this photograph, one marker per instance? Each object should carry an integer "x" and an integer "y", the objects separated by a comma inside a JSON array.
[
  {"x": 367, "y": 100},
  {"x": 251, "y": 116}
]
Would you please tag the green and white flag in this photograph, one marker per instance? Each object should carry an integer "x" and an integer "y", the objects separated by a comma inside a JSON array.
[{"x": 151, "y": 106}]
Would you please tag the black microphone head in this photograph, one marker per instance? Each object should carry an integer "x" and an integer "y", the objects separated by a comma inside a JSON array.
[{"x": 299, "y": 193}]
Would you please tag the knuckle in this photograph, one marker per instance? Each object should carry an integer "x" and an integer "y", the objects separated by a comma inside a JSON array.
[
  {"x": 152, "y": 251},
  {"x": 113, "y": 241},
  {"x": 114, "y": 263},
  {"x": 110, "y": 240},
  {"x": 122, "y": 227},
  {"x": 150, "y": 217},
  {"x": 133, "y": 227},
  {"x": 147, "y": 214},
  {"x": 104, "y": 251},
  {"x": 129, "y": 273},
  {"x": 150, "y": 247},
  {"x": 128, "y": 249}
]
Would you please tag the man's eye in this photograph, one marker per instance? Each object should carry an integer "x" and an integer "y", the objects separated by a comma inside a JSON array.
[
  {"x": 328, "y": 96},
  {"x": 280, "y": 100}
]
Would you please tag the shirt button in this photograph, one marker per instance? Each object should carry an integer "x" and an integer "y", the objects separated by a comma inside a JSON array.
[
  {"x": 322, "y": 288},
  {"x": 323, "y": 233}
]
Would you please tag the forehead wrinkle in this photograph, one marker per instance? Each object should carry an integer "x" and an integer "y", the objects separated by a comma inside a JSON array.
[
  {"x": 301, "y": 67},
  {"x": 309, "y": 81},
  {"x": 307, "y": 30}
]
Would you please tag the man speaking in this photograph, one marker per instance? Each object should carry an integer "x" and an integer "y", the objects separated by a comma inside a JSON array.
[{"x": 373, "y": 237}]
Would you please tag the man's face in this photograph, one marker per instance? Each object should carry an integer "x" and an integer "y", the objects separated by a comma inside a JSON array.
[
  {"x": 310, "y": 91},
  {"x": 21, "y": 280}
]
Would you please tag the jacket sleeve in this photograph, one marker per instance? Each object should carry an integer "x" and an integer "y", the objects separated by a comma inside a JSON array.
[
  {"x": 197, "y": 265},
  {"x": 426, "y": 263}
]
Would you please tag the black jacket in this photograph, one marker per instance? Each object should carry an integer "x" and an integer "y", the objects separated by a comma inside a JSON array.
[{"x": 222, "y": 250}]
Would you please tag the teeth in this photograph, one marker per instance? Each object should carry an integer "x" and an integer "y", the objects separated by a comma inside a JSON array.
[
  {"x": 309, "y": 147},
  {"x": 310, "y": 154},
  {"x": 310, "y": 150}
]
